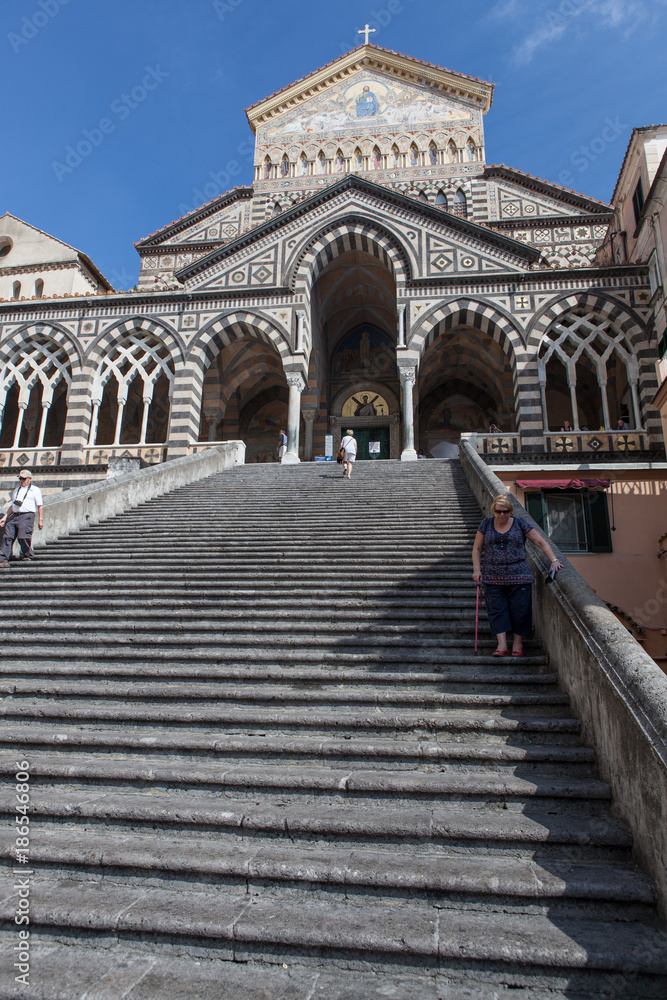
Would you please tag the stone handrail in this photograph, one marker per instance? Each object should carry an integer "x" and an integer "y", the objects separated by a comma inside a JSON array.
[
  {"x": 617, "y": 691},
  {"x": 84, "y": 505}
]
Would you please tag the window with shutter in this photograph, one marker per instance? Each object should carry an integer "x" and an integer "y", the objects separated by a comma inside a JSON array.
[{"x": 576, "y": 520}]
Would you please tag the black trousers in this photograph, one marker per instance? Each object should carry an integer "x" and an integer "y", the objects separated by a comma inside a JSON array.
[
  {"x": 509, "y": 607},
  {"x": 18, "y": 526}
]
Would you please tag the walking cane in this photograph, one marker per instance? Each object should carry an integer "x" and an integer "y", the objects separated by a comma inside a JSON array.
[{"x": 476, "y": 618}]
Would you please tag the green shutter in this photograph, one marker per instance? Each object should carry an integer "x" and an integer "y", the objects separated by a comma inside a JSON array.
[
  {"x": 534, "y": 504},
  {"x": 597, "y": 521}
]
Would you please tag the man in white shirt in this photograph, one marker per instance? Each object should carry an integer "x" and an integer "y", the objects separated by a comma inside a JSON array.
[{"x": 19, "y": 521}]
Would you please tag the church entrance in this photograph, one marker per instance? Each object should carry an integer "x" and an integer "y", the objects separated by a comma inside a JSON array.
[{"x": 372, "y": 442}]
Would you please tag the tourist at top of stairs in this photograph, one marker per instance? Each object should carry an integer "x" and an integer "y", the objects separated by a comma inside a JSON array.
[{"x": 348, "y": 446}]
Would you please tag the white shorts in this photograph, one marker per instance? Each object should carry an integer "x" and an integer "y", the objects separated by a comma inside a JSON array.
[{"x": 350, "y": 456}]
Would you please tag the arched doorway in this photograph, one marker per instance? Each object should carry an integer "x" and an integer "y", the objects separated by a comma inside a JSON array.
[{"x": 354, "y": 327}]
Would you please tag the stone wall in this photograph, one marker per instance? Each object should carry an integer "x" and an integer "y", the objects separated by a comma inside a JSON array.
[
  {"x": 617, "y": 691},
  {"x": 90, "y": 504}
]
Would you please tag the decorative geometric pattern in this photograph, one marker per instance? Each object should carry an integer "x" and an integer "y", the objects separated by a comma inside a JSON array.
[
  {"x": 564, "y": 444},
  {"x": 500, "y": 446}
]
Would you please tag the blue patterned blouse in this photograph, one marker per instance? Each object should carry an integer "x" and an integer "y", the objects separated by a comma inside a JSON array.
[{"x": 503, "y": 555}]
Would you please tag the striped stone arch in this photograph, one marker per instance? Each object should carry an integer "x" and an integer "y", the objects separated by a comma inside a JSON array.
[
  {"x": 473, "y": 313},
  {"x": 123, "y": 328},
  {"x": 624, "y": 320},
  {"x": 339, "y": 237},
  {"x": 38, "y": 352},
  {"x": 80, "y": 413},
  {"x": 237, "y": 325},
  {"x": 220, "y": 333},
  {"x": 20, "y": 338},
  {"x": 480, "y": 315}
]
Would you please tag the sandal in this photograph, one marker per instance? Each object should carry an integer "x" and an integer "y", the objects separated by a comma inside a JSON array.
[
  {"x": 500, "y": 652},
  {"x": 518, "y": 652}
]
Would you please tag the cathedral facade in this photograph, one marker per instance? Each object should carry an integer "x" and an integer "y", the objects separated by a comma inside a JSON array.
[{"x": 377, "y": 274}]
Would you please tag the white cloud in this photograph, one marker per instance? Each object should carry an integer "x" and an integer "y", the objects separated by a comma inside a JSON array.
[{"x": 552, "y": 20}]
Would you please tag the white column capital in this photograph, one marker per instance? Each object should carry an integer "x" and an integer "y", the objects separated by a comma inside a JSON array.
[
  {"x": 296, "y": 380},
  {"x": 408, "y": 375}
]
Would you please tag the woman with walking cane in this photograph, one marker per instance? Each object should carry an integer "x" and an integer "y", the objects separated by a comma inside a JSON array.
[{"x": 499, "y": 563}]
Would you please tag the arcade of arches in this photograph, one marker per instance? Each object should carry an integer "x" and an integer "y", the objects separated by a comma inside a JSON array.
[{"x": 464, "y": 381}]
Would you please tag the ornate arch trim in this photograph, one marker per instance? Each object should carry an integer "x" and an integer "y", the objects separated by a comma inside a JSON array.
[
  {"x": 353, "y": 232},
  {"x": 100, "y": 348},
  {"x": 21, "y": 337},
  {"x": 624, "y": 318},
  {"x": 473, "y": 313},
  {"x": 237, "y": 325}
]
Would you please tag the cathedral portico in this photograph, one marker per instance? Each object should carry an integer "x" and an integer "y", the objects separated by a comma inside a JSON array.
[{"x": 377, "y": 272}]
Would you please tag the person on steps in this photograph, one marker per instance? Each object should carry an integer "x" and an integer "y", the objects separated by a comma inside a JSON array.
[
  {"x": 19, "y": 521},
  {"x": 282, "y": 444},
  {"x": 348, "y": 445},
  {"x": 499, "y": 563}
]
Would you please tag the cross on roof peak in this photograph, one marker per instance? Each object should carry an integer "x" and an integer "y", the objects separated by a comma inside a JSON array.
[{"x": 366, "y": 30}]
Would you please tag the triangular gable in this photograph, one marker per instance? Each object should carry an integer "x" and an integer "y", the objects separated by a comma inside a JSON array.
[
  {"x": 32, "y": 246},
  {"x": 368, "y": 102},
  {"x": 372, "y": 58},
  {"x": 521, "y": 196},
  {"x": 202, "y": 223},
  {"x": 39, "y": 247},
  {"x": 218, "y": 227},
  {"x": 439, "y": 244}
]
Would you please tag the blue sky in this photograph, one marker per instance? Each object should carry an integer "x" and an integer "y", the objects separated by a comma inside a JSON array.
[{"x": 157, "y": 88}]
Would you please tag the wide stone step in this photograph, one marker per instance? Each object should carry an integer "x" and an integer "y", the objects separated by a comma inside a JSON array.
[
  {"x": 125, "y": 972},
  {"x": 241, "y": 630},
  {"x": 361, "y": 642},
  {"x": 29, "y": 677},
  {"x": 275, "y": 929},
  {"x": 408, "y": 608},
  {"x": 406, "y": 722},
  {"x": 249, "y": 759},
  {"x": 439, "y": 873},
  {"x": 145, "y": 657},
  {"x": 186, "y": 691},
  {"x": 455, "y": 680},
  {"x": 425, "y": 827}
]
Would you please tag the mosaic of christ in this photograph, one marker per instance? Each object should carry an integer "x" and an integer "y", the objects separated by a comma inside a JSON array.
[{"x": 368, "y": 102}]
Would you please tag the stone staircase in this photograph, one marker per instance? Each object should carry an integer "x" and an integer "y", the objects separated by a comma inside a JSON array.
[{"x": 266, "y": 762}]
